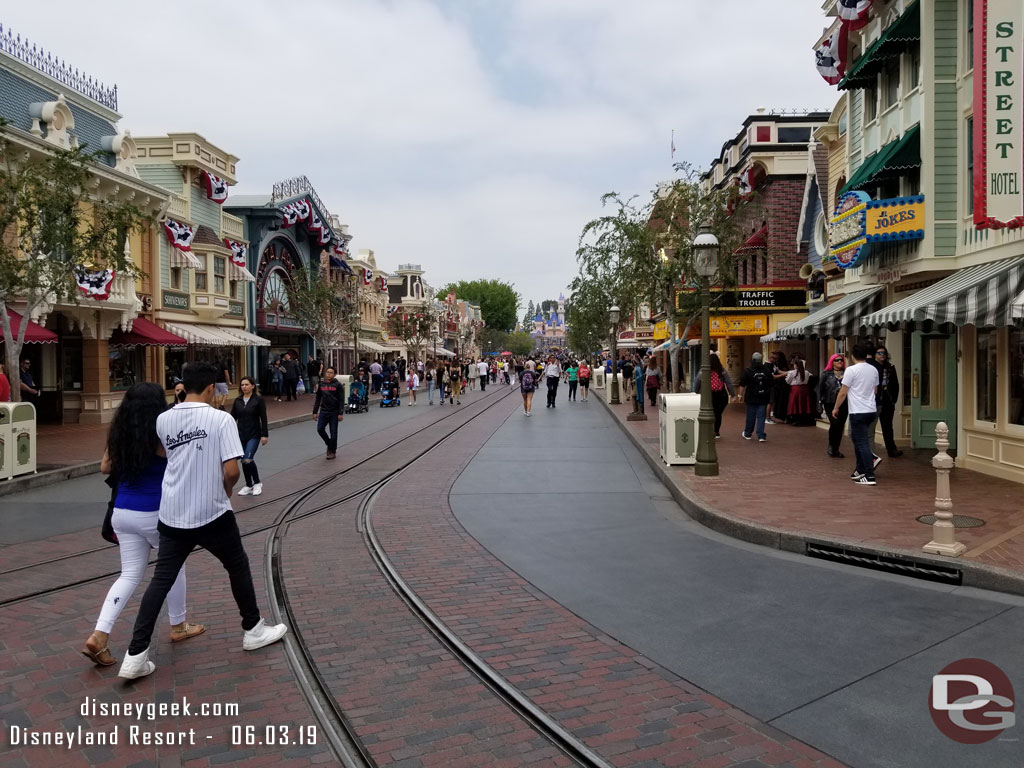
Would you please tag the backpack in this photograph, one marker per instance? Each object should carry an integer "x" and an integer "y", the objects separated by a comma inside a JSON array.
[
  {"x": 717, "y": 385},
  {"x": 527, "y": 381},
  {"x": 762, "y": 381}
]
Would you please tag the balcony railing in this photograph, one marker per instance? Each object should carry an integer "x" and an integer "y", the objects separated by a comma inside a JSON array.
[
  {"x": 178, "y": 208},
  {"x": 231, "y": 226}
]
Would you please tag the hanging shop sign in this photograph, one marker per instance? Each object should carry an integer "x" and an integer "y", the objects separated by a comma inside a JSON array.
[
  {"x": 739, "y": 325},
  {"x": 858, "y": 221},
  {"x": 661, "y": 330},
  {"x": 175, "y": 300},
  {"x": 757, "y": 299},
  {"x": 847, "y": 232},
  {"x": 999, "y": 114}
]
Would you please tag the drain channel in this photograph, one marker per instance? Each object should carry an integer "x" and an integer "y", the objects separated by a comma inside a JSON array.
[{"x": 888, "y": 563}]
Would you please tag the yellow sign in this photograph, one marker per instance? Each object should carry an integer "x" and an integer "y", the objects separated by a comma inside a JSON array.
[
  {"x": 739, "y": 325},
  {"x": 384, "y": 336},
  {"x": 901, "y": 218},
  {"x": 661, "y": 330}
]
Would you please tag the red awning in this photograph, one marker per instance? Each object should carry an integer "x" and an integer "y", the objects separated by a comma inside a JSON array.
[
  {"x": 34, "y": 334},
  {"x": 757, "y": 240},
  {"x": 145, "y": 334}
]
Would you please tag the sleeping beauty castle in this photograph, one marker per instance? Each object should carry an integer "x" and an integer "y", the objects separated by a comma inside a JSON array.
[{"x": 550, "y": 333}]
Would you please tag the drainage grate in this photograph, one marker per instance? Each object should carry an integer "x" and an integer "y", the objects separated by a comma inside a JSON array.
[
  {"x": 888, "y": 563},
  {"x": 959, "y": 521}
]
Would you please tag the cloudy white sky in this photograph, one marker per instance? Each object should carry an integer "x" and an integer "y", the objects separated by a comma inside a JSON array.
[{"x": 475, "y": 137}]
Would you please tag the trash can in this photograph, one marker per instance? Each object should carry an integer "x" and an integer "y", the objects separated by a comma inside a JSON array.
[
  {"x": 608, "y": 388},
  {"x": 6, "y": 441},
  {"x": 22, "y": 437},
  {"x": 345, "y": 382},
  {"x": 677, "y": 423},
  {"x": 599, "y": 377}
]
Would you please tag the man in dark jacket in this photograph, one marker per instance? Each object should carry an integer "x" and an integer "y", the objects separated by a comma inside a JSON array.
[
  {"x": 313, "y": 369},
  {"x": 291, "y": 375},
  {"x": 757, "y": 393},
  {"x": 888, "y": 398},
  {"x": 327, "y": 410}
]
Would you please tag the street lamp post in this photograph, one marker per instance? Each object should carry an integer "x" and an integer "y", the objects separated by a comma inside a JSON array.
[
  {"x": 705, "y": 261},
  {"x": 613, "y": 315}
]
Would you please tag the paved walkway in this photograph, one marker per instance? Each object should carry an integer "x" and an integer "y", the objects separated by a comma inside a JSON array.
[{"x": 790, "y": 489}]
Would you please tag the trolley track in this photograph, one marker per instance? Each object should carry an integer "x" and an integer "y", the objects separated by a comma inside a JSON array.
[
  {"x": 342, "y": 736},
  {"x": 304, "y": 493}
]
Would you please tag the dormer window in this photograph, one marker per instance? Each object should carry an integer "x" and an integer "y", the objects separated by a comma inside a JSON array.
[{"x": 53, "y": 122}]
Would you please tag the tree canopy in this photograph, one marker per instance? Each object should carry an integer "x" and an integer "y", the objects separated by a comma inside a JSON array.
[
  {"x": 324, "y": 307},
  {"x": 498, "y": 300}
]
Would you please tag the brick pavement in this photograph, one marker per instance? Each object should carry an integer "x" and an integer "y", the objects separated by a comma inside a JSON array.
[{"x": 790, "y": 485}]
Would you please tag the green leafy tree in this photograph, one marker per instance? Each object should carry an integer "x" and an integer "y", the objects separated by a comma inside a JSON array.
[
  {"x": 55, "y": 222},
  {"x": 519, "y": 343},
  {"x": 498, "y": 300},
  {"x": 323, "y": 305},
  {"x": 528, "y": 317},
  {"x": 416, "y": 329}
]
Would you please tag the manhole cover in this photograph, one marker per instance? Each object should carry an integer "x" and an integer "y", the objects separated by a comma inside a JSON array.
[{"x": 959, "y": 521}]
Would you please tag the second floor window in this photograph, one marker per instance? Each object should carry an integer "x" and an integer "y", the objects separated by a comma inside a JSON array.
[
  {"x": 913, "y": 66},
  {"x": 219, "y": 267},
  {"x": 176, "y": 278},
  {"x": 891, "y": 82},
  {"x": 201, "y": 273},
  {"x": 870, "y": 103},
  {"x": 969, "y": 143}
]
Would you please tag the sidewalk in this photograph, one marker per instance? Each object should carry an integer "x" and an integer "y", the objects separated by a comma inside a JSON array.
[{"x": 787, "y": 492}]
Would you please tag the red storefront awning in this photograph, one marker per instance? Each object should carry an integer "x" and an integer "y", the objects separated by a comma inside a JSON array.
[
  {"x": 145, "y": 334},
  {"x": 757, "y": 240},
  {"x": 34, "y": 334}
]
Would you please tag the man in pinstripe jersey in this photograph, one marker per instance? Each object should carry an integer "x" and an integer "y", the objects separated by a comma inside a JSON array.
[{"x": 203, "y": 449}]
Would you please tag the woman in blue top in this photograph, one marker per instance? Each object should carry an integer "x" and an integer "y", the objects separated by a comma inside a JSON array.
[{"x": 134, "y": 455}]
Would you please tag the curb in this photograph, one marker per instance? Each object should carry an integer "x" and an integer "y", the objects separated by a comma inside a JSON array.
[{"x": 978, "y": 575}]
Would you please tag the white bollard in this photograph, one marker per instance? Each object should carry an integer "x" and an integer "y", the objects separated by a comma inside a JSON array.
[{"x": 943, "y": 531}]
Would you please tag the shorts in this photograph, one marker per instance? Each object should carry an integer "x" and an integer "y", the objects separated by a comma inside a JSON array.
[
  {"x": 220, "y": 389},
  {"x": 584, "y": 383}
]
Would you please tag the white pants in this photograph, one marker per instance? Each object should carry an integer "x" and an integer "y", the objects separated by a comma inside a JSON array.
[{"x": 136, "y": 536}]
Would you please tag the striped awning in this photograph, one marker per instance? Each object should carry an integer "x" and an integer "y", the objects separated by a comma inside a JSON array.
[
  {"x": 1017, "y": 307},
  {"x": 980, "y": 296},
  {"x": 184, "y": 260},
  {"x": 205, "y": 335},
  {"x": 240, "y": 273},
  {"x": 840, "y": 318},
  {"x": 250, "y": 339},
  {"x": 371, "y": 346}
]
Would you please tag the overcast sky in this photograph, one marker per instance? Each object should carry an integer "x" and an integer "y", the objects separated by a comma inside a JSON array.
[{"x": 475, "y": 137}]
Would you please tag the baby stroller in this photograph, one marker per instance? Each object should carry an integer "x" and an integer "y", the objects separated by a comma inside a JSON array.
[
  {"x": 358, "y": 400},
  {"x": 389, "y": 395}
]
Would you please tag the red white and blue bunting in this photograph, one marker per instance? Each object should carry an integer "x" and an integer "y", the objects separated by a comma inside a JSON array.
[
  {"x": 854, "y": 12},
  {"x": 180, "y": 235},
  {"x": 216, "y": 187},
  {"x": 367, "y": 276},
  {"x": 94, "y": 284},
  {"x": 302, "y": 211},
  {"x": 392, "y": 309},
  {"x": 831, "y": 56},
  {"x": 383, "y": 283},
  {"x": 239, "y": 252}
]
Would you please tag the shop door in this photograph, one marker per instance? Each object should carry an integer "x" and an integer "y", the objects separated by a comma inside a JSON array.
[{"x": 932, "y": 387}]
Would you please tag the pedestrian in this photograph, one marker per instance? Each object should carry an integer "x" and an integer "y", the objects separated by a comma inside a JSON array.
[
  {"x": 482, "y": 372},
  {"x": 195, "y": 510},
  {"x": 721, "y": 390},
  {"x": 828, "y": 391},
  {"x": 328, "y": 410},
  {"x": 290, "y": 367},
  {"x": 27, "y": 381},
  {"x": 277, "y": 379},
  {"x": 520, "y": 367},
  {"x": 179, "y": 393},
  {"x": 860, "y": 391},
  {"x": 553, "y": 374},
  {"x": 429, "y": 375},
  {"x": 250, "y": 414},
  {"x": 800, "y": 407},
  {"x": 583, "y": 372},
  {"x": 638, "y": 386},
  {"x": 527, "y": 385},
  {"x": 627, "y": 376},
  {"x": 376, "y": 375},
  {"x": 888, "y": 399},
  {"x": 652, "y": 380},
  {"x": 757, "y": 393},
  {"x": 413, "y": 384},
  {"x": 573, "y": 375},
  {"x": 222, "y": 384},
  {"x": 777, "y": 411},
  {"x": 136, "y": 459},
  {"x": 455, "y": 385},
  {"x": 313, "y": 369},
  {"x": 5, "y": 386},
  {"x": 400, "y": 366}
]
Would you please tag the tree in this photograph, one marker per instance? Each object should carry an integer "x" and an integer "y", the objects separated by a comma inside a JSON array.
[
  {"x": 519, "y": 343},
  {"x": 53, "y": 226},
  {"x": 414, "y": 329},
  {"x": 498, "y": 300},
  {"x": 322, "y": 305},
  {"x": 531, "y": 311}
]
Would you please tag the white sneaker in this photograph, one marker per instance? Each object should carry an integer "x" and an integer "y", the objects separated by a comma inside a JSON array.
[
  {"x": 245, "y": 490},
  {"x": 136, "y": 666},
  {"x": 257, "y": 489},
  {"x": 260, "y": 635}
]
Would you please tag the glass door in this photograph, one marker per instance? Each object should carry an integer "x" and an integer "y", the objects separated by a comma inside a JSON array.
[{"x": 932, "y": 387}]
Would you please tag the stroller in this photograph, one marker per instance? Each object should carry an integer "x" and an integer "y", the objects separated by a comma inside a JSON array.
[
  {"x": 358, "y": 400},
  {"x": 389, "y": 396}
]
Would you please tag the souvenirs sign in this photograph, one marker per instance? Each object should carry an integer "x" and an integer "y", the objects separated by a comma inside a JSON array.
[{"x": 999, "y": 114}]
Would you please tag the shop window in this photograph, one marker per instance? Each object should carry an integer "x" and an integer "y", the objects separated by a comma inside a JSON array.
[
  {"x": 127, "y": 367},
  {"x": 176, "y": 278},
  {"x": 913, "y": 66},
  {"x": 219, "y": 273},
  {"x": 1016, "y": 414},
  {"x": 174, "y": 361},
  {"x": 870, "y": 103},
  {"x": 71, "y": 363},
  {"x": 890, "y": 82},
  {"x": 985, "y": 376},
  {"x": 969, "y": 142}
]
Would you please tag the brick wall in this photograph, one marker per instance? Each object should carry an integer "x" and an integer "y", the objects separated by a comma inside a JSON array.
[{"x": 784, "y": 199}]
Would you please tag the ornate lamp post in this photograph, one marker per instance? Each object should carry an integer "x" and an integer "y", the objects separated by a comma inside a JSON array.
[
  {"x": 613, "y": 315},
  {"x": 705, "y": 262}
]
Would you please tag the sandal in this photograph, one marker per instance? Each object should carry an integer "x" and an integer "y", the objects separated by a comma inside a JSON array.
[
  {"x": 101, "y": 658},
  {"x": 187, "y": 631}
]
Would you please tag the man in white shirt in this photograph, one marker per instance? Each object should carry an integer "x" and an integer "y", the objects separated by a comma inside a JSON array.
[
  {"x": 376, "y": 375},
  {"x": 553, "y": 374},
  {"x": 203, "y": 449},
  {"x": 481, "y": 368},
  {"x": 860, "y": 388}
]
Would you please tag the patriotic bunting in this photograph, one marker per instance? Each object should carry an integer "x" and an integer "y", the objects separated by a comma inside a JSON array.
[
  {"x": 289, "y": 217},
  {"x": 392, "y": 309},
  {"x": 239, "y": 251},
  {"x": 831, "y": 55},
  {"x": 216, "y": 188},
  {"x": 95, "y": 285},
  {"x": 367, "y": 276},
  {"x": 854, "y": 12},
  {"x": 179, "y": 234},
  {"x": 383, "y": 283},
  {"x": 302, "y": 209}
]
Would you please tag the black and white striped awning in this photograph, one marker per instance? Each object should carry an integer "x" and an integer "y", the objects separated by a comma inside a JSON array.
[
  {"x": 1017, "y": 308},
  {"x": 981, "y": 296},
  {"x": 840, "y": 318}
]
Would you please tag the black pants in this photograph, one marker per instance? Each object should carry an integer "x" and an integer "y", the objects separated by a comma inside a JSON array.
[
  {"x": 572, "y": 389},
  {"x": 327, "y": 428},
  {"x": 483, "y": 383},
  {"x": 289, "y": 388},
  {"x": 652, "y": 392},
  {"x": 552, "y": 389},
  {"x": 719, "y": 400},
  {"x": 222, "y": 540},
  {"x": 836, "y": 425},
  {"x": 885, "y": 419}
]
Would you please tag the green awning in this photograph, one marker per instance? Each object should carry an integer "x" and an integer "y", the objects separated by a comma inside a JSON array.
[
  {"x": 895, "y": 158},
  {"x": 894, "y": 41}
]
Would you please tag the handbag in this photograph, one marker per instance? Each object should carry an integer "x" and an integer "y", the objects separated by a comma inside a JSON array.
[{"x": 107, "y": 529}]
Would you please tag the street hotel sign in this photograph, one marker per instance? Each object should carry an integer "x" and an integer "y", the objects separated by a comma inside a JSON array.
[{"x": 999, "y": 113}]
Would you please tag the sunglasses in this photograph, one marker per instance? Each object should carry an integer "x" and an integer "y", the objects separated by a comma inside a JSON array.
[{"x": 883, "y": 354}]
